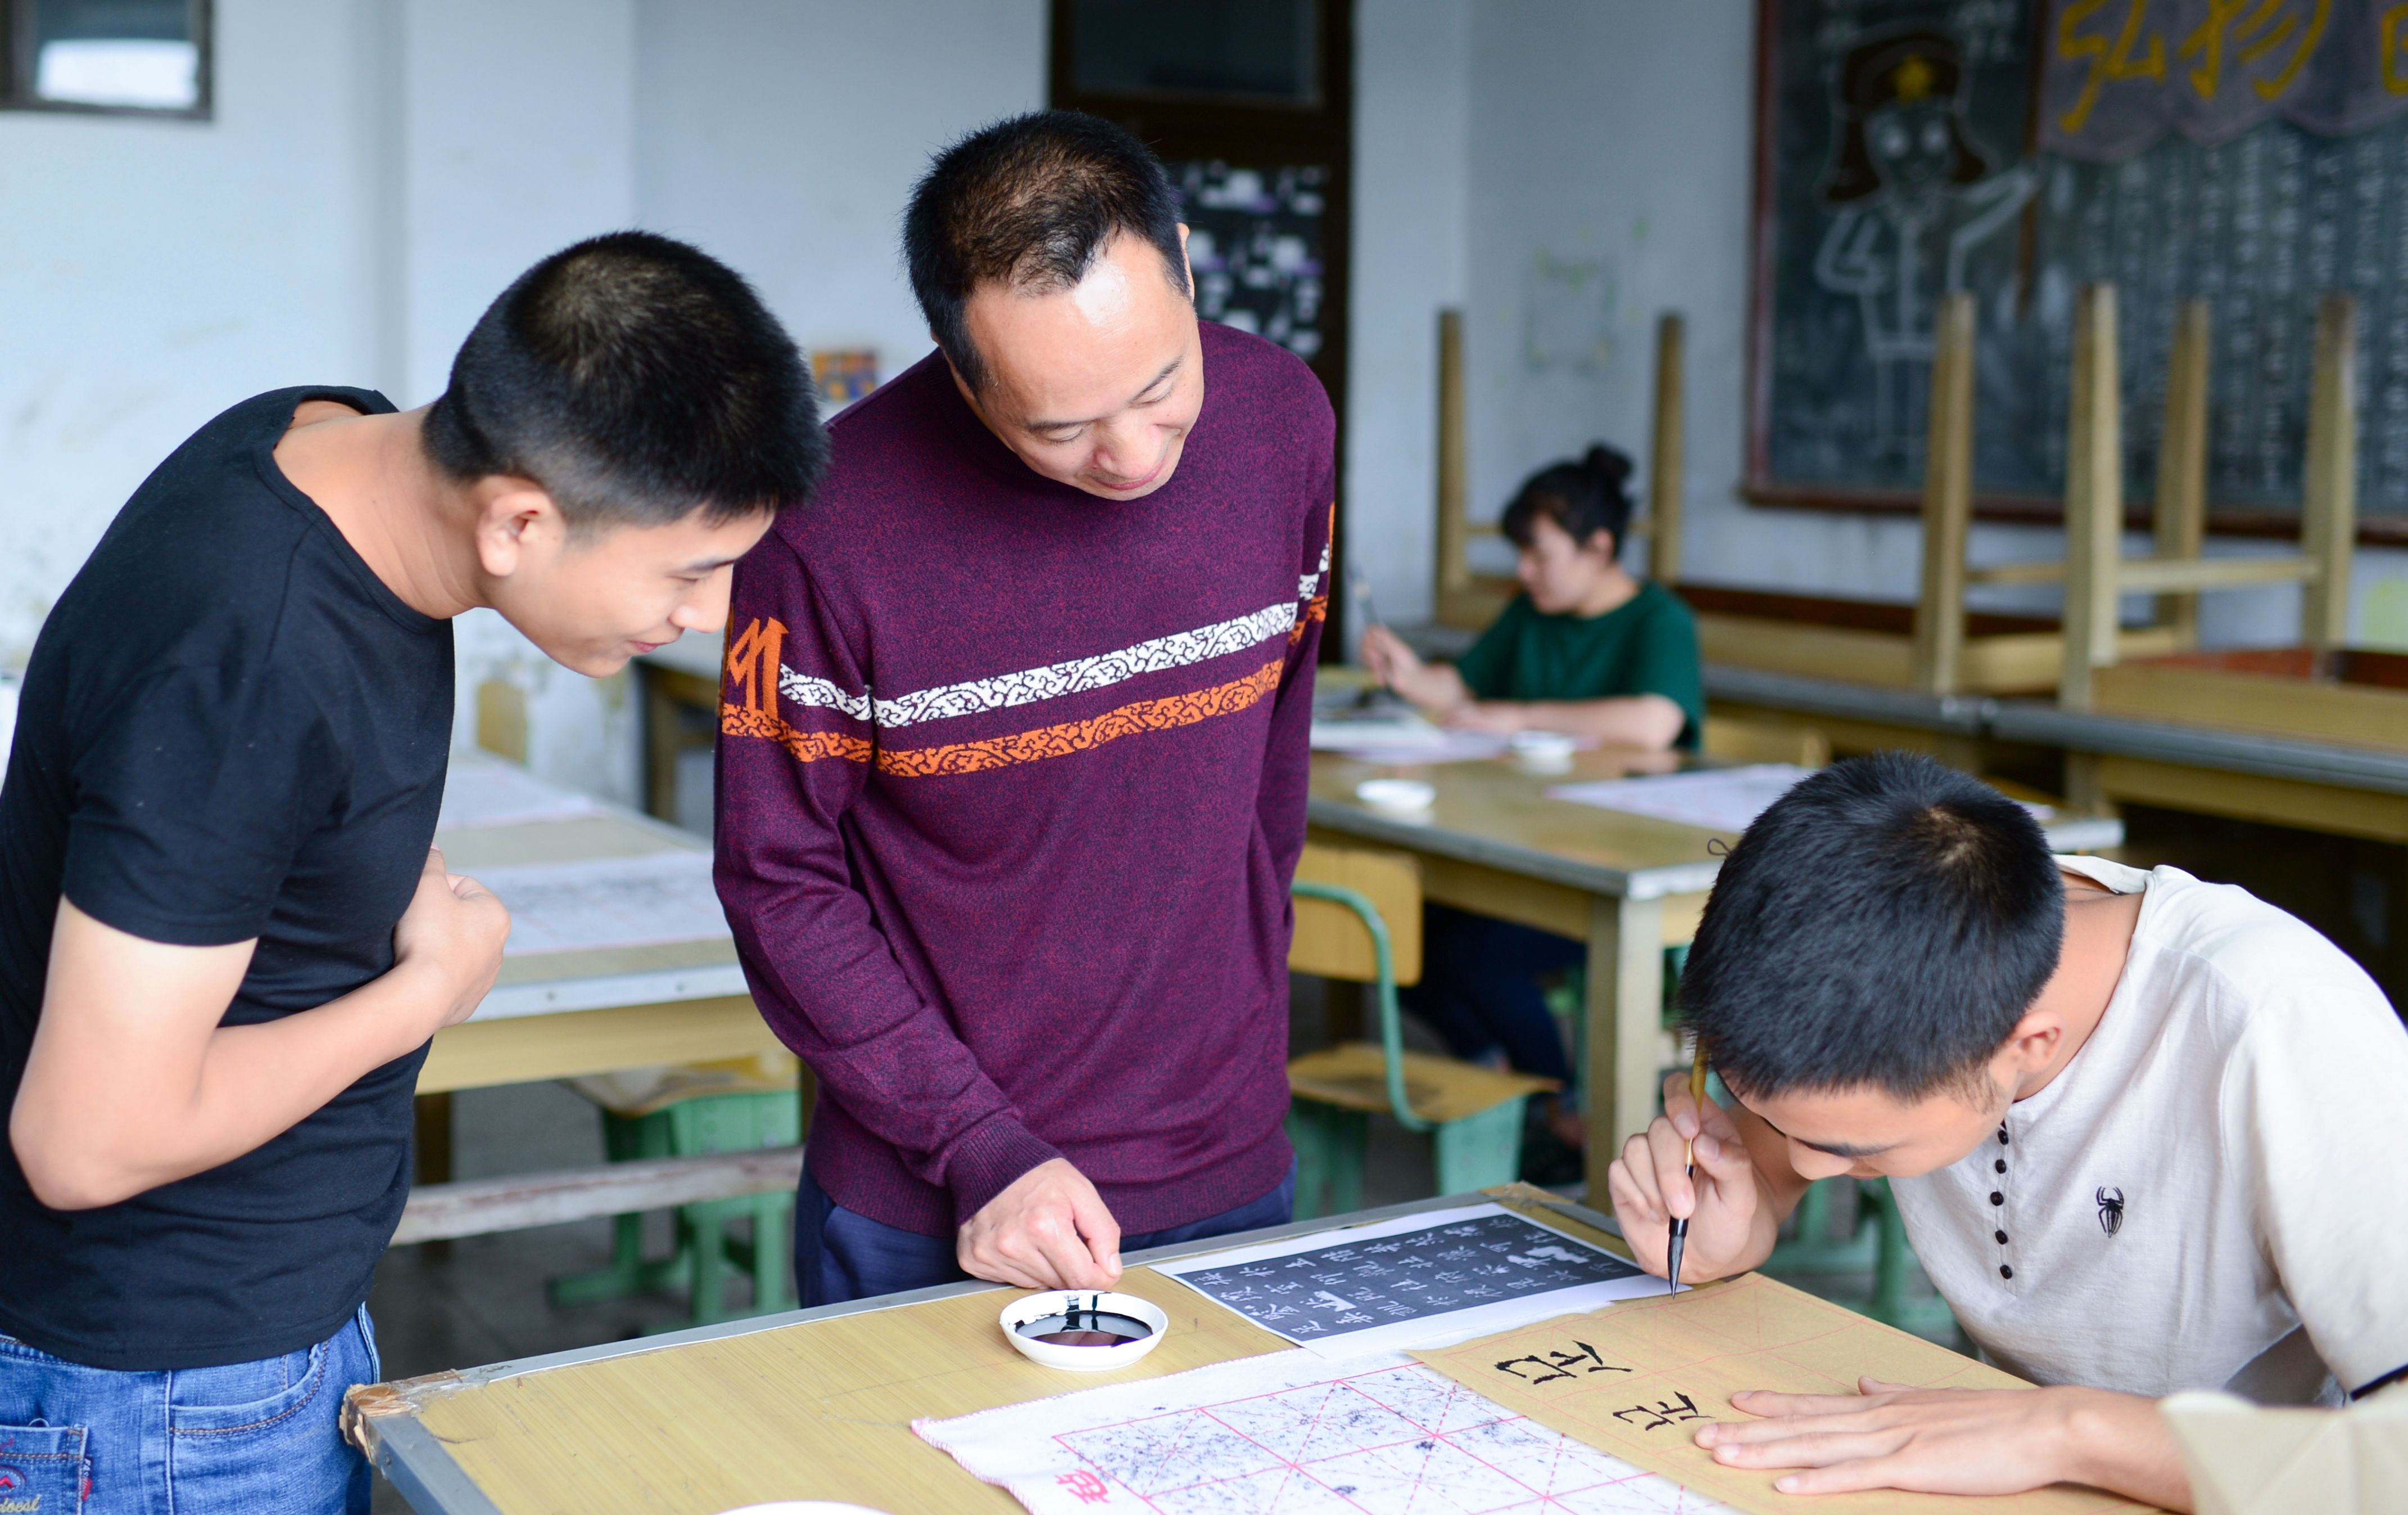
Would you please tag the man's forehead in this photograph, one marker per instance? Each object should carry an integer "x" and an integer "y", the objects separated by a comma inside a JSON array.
[{"x": 1851, "y": 1123}]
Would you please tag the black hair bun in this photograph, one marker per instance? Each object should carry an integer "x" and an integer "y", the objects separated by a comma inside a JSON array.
[
  {"x": 1585, "y": 497},
  {"x": 1611, "y": 465}
]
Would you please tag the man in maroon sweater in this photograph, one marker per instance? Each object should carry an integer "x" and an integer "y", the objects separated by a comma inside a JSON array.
[{"x": 1013, "y": 768}]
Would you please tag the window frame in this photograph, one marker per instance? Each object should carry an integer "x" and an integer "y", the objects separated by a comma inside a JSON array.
[{"x": 17, "y": 60}]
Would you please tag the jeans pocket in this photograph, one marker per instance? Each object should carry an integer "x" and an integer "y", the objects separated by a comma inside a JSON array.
[
  {"x": 43, "y": 1470},
  {"x": 243, "y": 1396}
]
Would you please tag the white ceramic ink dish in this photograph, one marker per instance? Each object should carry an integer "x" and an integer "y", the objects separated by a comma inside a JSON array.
[
  {"x": 1070, "y": 1306},
  {"x": 1398, "y": 796}
]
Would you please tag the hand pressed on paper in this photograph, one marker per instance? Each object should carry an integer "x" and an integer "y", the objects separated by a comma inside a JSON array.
[
  {"x": 1958, "y": 1441},
  {"x": 1048, "y": 1230}
]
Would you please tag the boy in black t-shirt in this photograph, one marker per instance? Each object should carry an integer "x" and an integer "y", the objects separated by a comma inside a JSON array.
[{"x": 224, "y": 936}]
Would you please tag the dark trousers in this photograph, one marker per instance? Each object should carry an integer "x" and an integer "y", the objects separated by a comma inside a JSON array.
[
  {"x": 840, "y": 1255},
  {"x": 1479, "y": 988}
]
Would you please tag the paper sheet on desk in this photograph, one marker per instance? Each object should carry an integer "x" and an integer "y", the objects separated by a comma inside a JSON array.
[
  {"x": 1717, "y": 799},
  {"x": 609, "y": 902},
  {"x": 1293, "y": 1434},
  {"x": 1402, "y": 740},
  {"x": 1438, "y": 1276},
  {"x": 1637, "y": 1381},
  {"x": 482, "y": 794}
]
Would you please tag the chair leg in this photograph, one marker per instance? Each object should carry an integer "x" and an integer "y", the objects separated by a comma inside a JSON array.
[
  {"x": 1481, "y": 1150},
  {"x": 1330, "y": 1152},
  {"x": 773, "y": 1271},
  {"x": 706, "y": 1229}
]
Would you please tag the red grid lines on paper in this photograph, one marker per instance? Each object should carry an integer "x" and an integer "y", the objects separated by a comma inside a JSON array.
[{"x": 1397, "y": 1441}]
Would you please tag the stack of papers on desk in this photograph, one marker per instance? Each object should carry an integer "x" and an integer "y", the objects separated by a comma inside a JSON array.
[
  {"x": 1717, "y": 799},
  {"x": 1404, "y": 737},
  {"x": 609, "y": 902},
  {"x": 490, "y": 792}
]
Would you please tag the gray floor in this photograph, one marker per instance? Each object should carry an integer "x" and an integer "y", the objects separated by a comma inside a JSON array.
[{"x": 483, "y": 1299}]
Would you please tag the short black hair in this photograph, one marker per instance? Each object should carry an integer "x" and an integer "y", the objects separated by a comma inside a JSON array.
[
  {"x": 1029, "y": 202},
  {"x": 1586, "y": 496},
  {"x": 638, "y": 381},
  {"x": 1884, "y": 923}
]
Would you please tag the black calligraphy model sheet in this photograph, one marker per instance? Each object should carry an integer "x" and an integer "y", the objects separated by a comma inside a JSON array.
[{"x": 1415, "y": 1280}]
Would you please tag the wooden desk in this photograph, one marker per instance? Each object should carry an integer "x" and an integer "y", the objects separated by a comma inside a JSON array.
[
  {"x": 811, "y": 1404},
  {"x": 566, "y": 1015},
  {"x": 2341, "y": 789},
  {"x": 1628, "y": 885},
  {"x": 562, "y": 1015}
]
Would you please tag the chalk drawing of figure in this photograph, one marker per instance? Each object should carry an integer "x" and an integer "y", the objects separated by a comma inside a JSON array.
[{"x": 1915, "y": 195}]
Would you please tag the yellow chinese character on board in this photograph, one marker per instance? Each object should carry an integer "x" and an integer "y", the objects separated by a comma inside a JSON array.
[
  {"x": 2108, "y": 62},
  {"x": 1911, "y": 80},
  {"x": 2393, "y": 23},
  {"x": 2257, "y": 28}
]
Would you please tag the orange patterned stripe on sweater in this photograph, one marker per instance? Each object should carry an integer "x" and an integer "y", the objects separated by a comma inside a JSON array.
[{"x": 806, "y": 745}]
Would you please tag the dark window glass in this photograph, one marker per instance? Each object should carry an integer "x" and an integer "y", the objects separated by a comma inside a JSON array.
[
  {"x": 123, "y": 54},
  {"x": 1253, "y": 49}
]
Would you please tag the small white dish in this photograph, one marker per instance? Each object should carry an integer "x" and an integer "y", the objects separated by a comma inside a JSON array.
[
  {"x": 1032, "y": 1309},
  {"x": 1398, "y": 796},
  {"x": 1542, "y": 751}
]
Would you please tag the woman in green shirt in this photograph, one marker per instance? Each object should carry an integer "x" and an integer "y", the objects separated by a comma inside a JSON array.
[{"x": 1586, "y": 649}]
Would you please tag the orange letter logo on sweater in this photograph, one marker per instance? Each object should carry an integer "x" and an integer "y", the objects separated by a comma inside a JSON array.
[{"x": 752, "y": 661}]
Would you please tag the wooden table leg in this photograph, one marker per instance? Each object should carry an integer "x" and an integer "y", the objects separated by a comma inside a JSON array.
[{"x": 1625, "y": 1008}]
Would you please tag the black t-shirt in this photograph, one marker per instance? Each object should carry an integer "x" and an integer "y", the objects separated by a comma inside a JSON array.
[{"x": 230, "y": 728}]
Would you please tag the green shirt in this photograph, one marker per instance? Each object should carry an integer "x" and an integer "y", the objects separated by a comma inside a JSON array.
[{"x": 1647, "y": 645}]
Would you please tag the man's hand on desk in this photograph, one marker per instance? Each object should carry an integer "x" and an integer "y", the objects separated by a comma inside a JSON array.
[
  {"x": 1957, "y": 1441},
  {"x": 1049, "y": 1230}
]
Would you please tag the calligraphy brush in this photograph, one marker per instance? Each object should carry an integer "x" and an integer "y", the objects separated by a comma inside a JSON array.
[{"x": 1689, "y": 1155}]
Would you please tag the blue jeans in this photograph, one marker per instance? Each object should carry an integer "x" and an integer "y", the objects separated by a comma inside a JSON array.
[
  {"x": 248, "y": 1439},
  {"x": 840, "y": 1255},
  {"x": 1479, "y": 988}
]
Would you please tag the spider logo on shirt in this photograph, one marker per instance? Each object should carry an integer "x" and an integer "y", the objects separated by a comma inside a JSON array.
[{"x": 2111, "y": 1209}]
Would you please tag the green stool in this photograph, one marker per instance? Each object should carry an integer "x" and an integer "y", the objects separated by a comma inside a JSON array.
[
  {"x": 1474, "y": 1114},
  {"x": 706, "y": 1252}
]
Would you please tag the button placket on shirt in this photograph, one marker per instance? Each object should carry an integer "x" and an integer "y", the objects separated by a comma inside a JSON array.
[{"x": 2000, "y": 1170}]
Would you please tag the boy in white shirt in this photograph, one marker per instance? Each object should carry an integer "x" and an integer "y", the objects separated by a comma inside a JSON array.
[{"x": 2146, "y": 1132}]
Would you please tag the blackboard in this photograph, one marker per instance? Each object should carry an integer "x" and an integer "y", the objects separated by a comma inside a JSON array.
[{"x": 2255, "y": 156}]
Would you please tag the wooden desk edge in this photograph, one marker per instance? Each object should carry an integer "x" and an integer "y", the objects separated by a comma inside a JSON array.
[{"x": 381, "y": 1419}]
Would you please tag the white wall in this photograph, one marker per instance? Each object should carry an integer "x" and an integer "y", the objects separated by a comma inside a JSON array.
[
  {"x": 510, "y": 135},
  {"x": 1413, "y": 132},
  {"x": 784, "y": 137},
  {"x": 1611, "y": 161},
  {"x": 378, "y": 170},
  {"x": 152, "y": 273}
]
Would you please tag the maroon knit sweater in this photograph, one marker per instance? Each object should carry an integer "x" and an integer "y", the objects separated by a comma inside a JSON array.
[{"x": 1012, "y": 785}]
